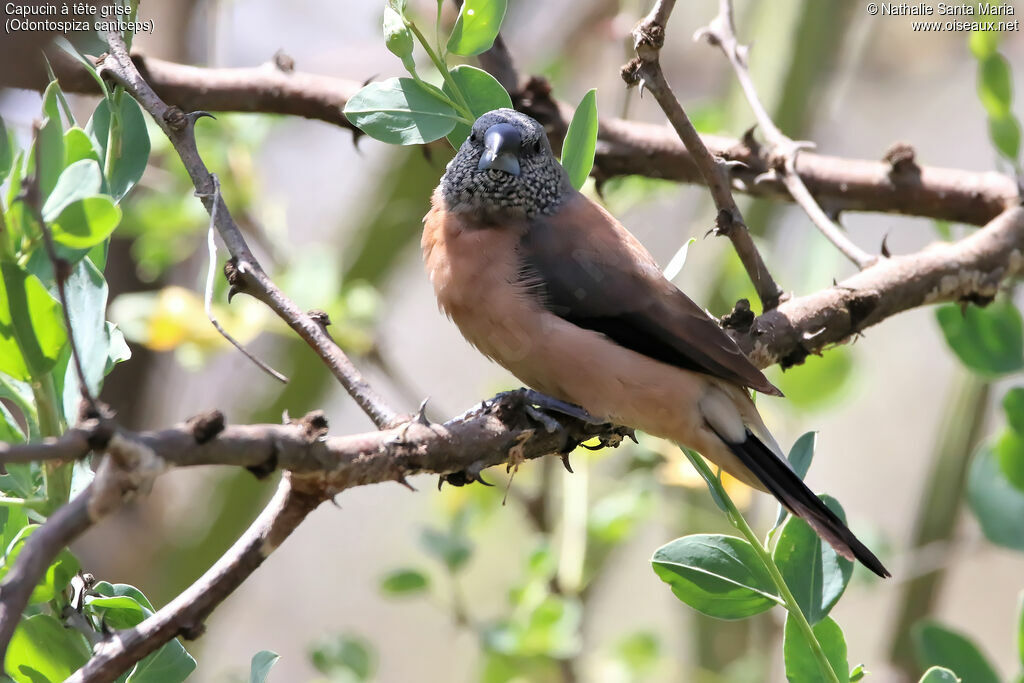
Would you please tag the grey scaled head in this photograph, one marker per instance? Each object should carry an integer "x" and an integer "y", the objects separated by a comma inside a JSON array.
[{"x": 505, "y": 169}]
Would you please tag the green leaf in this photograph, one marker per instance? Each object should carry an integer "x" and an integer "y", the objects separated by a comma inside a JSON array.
[
  {"x": 939, "y": 674},
  {"x": 43, "y": 650},
  {"x": 1013, "y": 406},
  {"x": 398, "y": 38},
  {"x": 31, "y": 325},
  {"x": 402, "y": 582},
  {"x": 550, "y": 629},
  {"x": 639, "y": 653},
  {"x": 401, "y": 111},
  {"x": 58, "y": 574},
  {"x": 86, "y": 222},
  {"x": 997, "y": 504},
  {"x": 581, "y": 140},
  {"x": 6, "y": 151},
  {"x": 815, "y": 573},
  {"x": 800, "y": 457},
  {"x": 1009, "y": 448},
  {"x": 995, "y": 85},
  {"x": 86, "y": 292},
  {"x": 1005, "y": 134},
  {"x": 78, "y": 181},
  {"x": 481, "y": 90},
  {"x": 451, "y": 548},
  {"x": 476, "y": 27},
  {"x": 127, "y": 157},
  {"x": 344, "y": 658},
  {"x": 78, "y": 146},
  {"x": 615, "y": 517},
  {"x": 104, "y": 588},
  {"x": 67, "y": 47},
  {"x": 801, "y": 664},
  {"x": 988, "y": 340},
  {"x": 720, "y": 576},
  {"x": 261, "y": 664},
  {"x": 983, "y": 43},
  {"x": 170, "y": 664},
  {"x": 48, "y": 151},
  {"x": 937, "y": 645},
  {"x": 118, "y": 612},
  {"x": 857, "y": 673}
]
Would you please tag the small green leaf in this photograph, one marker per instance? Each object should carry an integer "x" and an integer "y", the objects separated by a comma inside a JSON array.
[
  {"x": 581, "y": 141},
  {"x": 343, "y": 658},
  {"x": 944, "y": 229},
  {"x": 476, "y": 27},
  {"x": 550, "y": 629},
  {"x": 78, "y": 146},
  {"x": 48, "y": 151},
  {"x": 819, "y": 381},
  {"x": 170, "y": 664},
  {"x": 86, "y": 222},
  {"x": 720, "y": 576},
  {"x": 261, "y": 664},
  {"x": 31, "y": 325},
  {"x": 452, "y": 548},
  {"x": 67, "y": 47},
  {"x": 857, "y": 673},
  {"x": 129, "y": 153},
  {"x": 398, "y": 38},
  {"x": 815, "y": 573},
  {"x": 615, "y": 517},
  {"x": 639, "y": 653},
  {"x": 995, "y": 85},
  {"x": 402, "y": 582},
  {"x": 800, "y": 457},
  {"x": 43, "y": 650},
  {"x": 1009, "y": 448},
  {"x": 78, "y": 181},
  {"x": 801, "y": 664},
  {"x": 939, "y": 674},
  {"x": 401, "y": 111},
  {"x": 119, "y": 611},
  {"x": 1005, "y": 134},
  {"x": 983, "y": 43},
  {"x": 481, "y": 90},
  {"x": 997, "y": 504},
  {"x": 6, "y": 151},
  {"x": 1013, "y": 406},
  {"x": 988, "y": 340},
  {"x": 937, "y": 645}
]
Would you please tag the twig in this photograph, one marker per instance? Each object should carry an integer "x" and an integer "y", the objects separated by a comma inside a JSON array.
[
  {"x": 625, "y": 147},
  {"x": 645, "y": 71},
  {"x": 783, "y": 150},
  {"x": 39, "y": 550},
  {"x": 244, "y": 271},
  {"x": 60, "y": 273},
  {"x": 969, "y": 270},
  {"x": 211, "y": 244},
  {"x": 185, "y": 614}
]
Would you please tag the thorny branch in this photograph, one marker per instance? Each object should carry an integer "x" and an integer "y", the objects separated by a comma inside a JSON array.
[
  {"x": 624, "y": 147},
  {"x": 243, "y": 271},
  {"x": 783, "y": 151},
  {"x": 645, "y": 71}
]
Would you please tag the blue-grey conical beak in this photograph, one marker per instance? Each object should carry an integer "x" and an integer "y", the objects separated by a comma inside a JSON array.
[{"x": 501, "y": 149}]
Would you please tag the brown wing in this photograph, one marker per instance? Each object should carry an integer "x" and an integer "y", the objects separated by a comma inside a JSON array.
[{"x": 586, "y": 268}]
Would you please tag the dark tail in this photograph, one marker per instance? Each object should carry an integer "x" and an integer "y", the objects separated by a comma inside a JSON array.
[{"x": 783, "y": 483}]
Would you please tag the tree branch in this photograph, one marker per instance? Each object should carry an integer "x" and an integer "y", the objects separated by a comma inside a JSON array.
[
  {"x": 970, "y": 270},
  {"x": 185, "y": 614},
  {"x": 243, "y": 271},
  {"x": 624, "y": 147},
  {"x": 645, "y": 71},
  {"x": 783, "y": 151}
]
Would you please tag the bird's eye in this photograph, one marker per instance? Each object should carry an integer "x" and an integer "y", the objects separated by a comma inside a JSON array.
[{"x": 536, "y": 145}]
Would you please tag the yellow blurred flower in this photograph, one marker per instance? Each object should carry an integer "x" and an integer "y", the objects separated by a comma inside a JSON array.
[{"x": 677, "y": 471}]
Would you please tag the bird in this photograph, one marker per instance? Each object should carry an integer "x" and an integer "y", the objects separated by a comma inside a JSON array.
[{"x": 547, "y": 283}]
